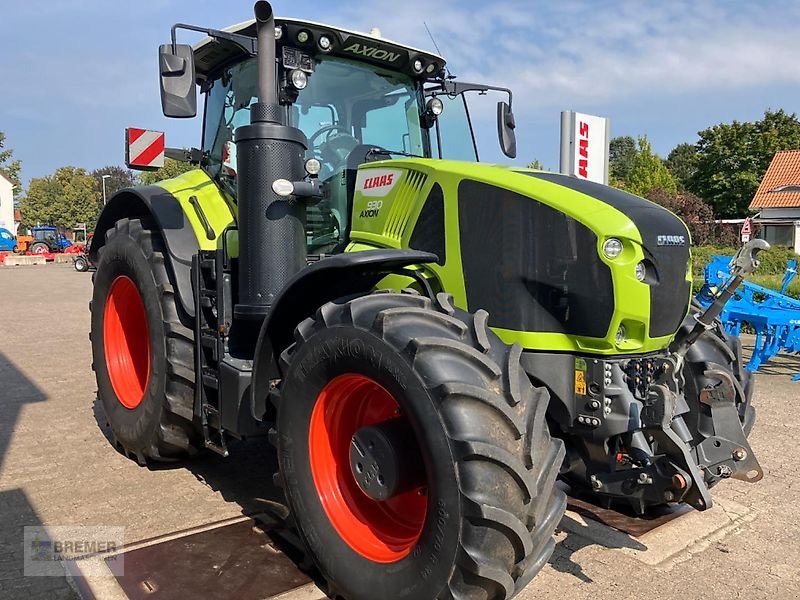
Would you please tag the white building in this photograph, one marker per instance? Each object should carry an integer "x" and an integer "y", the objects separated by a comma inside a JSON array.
[
  {"x": 777, "y": 203},
  {"x": 7, "y": 204}
]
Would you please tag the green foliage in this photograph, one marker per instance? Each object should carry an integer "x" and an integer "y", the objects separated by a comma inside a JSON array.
[
  {"x": 773, "y": 262},
  {"x": 648, "y": 172},
  {"x": 733, "y": 157},
  {"x": 119, "y": 179},
  {"x": 9, "y": 166},
  {"x": 682, "y": 163},
  {"x": 621, "y": 154},
  {"x": 769, "y": 274},
  {"x": 697, "y": 215},
  {"x": 536, "y": 164},
  {"x": 67, "y": 197},
  {"x": 171, "y": 168}
]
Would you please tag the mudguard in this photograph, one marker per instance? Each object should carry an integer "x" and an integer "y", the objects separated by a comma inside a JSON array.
[
  {"x": 179, "y": 237},
  {"x": 190, "y": 212},
  {"x": 326, "y": 280}
]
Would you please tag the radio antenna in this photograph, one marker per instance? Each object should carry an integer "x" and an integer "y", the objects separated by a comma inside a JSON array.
[{"x": 438, "y": 51}]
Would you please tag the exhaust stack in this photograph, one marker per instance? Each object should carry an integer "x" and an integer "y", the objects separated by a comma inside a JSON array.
[{"x": 272, "y": 245}]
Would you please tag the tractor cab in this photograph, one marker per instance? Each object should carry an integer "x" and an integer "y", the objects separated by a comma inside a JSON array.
[{"x": 356, "y": 97}]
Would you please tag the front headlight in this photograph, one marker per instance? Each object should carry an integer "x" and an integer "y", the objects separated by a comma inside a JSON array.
[
  {"x": 641, "y": 271},
  {"x": 612, "y": 248}
]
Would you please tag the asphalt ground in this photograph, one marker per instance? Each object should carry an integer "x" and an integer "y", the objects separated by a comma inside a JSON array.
[{"x": 58, "y": 468}]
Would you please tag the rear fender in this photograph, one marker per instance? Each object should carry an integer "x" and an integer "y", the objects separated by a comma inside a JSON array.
[{"x": 334, "y": 277}]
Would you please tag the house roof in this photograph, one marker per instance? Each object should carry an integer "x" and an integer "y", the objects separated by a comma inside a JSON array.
[
  {"x": 5, "y": 176},
  {"x": 784, "y": 170}
]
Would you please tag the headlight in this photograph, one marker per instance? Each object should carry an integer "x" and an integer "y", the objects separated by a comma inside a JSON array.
[
  {"x": 303, "y": 36},
  {"x": 612, "y": 248},
  {"x": 641, "y": 271},
  {"x": 435, "y": 106},
  {"x": 299, "y": 79},
  {"x": 313, "y": 166},
  {"x": 325, "y": 43},
  {"x": 621, "y": 335},
  {"x": 278, "y": 32},
  {"x": 417, "y": 66}
]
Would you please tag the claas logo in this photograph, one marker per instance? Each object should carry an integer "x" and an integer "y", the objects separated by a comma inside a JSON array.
[
  {"x": 378, "y": 181},
  {"x": 583, "y": 150}
]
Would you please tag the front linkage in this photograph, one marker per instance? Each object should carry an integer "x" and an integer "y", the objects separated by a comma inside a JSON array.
[{"x": 666, "y": 428}]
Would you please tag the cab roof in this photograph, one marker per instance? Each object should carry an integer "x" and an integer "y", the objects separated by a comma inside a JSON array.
[{"x": 212, "y": 55}]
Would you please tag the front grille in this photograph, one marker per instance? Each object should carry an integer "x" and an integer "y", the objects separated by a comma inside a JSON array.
[
  {"x": 532, "y": 267},
  {"x": 669, "y": 297}
]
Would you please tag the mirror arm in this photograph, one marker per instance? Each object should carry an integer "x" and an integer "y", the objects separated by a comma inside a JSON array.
[
  {"x": 192, "y": 156},
  {"x": 454, "y": 88},
  {"x": 247, "y": 44}
]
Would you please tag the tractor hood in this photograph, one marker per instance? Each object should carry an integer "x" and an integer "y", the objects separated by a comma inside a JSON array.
[{"x": 558, "y": 262}]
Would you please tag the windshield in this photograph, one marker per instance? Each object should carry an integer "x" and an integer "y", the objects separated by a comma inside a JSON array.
[
  {"x": 346, "y": 108},
  {"x": 347, "y": 104}
]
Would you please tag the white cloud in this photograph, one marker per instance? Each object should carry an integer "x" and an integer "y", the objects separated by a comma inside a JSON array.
[{"x": 560, "y": 54}]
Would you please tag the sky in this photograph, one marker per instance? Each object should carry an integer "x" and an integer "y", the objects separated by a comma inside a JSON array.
[{"x": 75, "y": 73}]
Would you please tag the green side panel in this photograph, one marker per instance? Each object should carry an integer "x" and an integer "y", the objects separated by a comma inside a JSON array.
[
  {"x": 219, "y": 211},
  {"x": 390, "y": 195}
]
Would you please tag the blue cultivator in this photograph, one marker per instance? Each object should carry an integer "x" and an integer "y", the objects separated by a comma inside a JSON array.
[{"x": 773, "y": 315}]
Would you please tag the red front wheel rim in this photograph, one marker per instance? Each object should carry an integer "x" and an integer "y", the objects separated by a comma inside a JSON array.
[
  {"x": 383, "y": 532},
  {"x": 127, "y": 342}
]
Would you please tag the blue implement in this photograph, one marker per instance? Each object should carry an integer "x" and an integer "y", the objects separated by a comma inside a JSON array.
[{"x": 774, "y": 315}]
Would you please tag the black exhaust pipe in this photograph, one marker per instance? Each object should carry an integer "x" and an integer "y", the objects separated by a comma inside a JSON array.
[{"x": 272, "y": 244}]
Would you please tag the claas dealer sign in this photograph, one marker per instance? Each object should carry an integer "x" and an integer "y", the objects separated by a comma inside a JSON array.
[{"x": 584, "y": 146}]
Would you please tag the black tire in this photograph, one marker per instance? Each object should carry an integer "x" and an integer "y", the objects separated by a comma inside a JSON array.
[
  {"x": 715, "y": 349},
  {"x": 162, "y": 426},
  {"x": 81, "y": 264},
  {"x": 39, "y": 248},
  {"x": 490, "y": 464}
]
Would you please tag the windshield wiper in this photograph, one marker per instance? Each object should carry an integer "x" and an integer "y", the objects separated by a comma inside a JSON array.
[{"x": 384, "y": 152}]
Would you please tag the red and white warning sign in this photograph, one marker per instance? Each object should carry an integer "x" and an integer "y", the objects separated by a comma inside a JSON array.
[
  {"x": 747, "y": 230},
  {"x": 144, "y": 149}
]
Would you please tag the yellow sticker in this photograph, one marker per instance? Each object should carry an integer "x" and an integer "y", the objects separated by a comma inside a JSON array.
[{"x": 580, "y": 383}]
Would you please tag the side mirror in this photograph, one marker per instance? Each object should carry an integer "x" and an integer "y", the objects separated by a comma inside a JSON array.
[
  {"x": 177, "y": 75},
  {"x": 505, "y": 130}
]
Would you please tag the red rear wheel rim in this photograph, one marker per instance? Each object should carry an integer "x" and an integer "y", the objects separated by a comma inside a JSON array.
[
  {"x": 39, "y": 249},
  {"x": 127, "y": 342},
  {"x": 382, "y": 532}
]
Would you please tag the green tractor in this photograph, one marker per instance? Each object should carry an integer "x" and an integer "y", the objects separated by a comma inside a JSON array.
[{"x": 430, "y": 342}]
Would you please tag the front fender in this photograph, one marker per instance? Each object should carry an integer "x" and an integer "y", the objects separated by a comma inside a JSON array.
[
  {"x": 351, "y": 273},
  {"x": 176, "y": 231}
]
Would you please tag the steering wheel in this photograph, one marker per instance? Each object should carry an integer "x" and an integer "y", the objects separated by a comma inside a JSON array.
[
  {"x": 327, "y": 129},
  {"x": 334, "y": 151}
]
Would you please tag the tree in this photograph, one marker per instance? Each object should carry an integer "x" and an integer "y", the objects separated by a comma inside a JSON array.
[
  {"x": 9, "y": 166},
  {"x": 648, "y": 172},
  {"x": 66, "y": 197},
  {"x": 621, "y": 153},
  {"x": 682, "y": 163},
  {"x": 536, "y": 164},
  {"x": 733, "y": 157},
  {"x": 171, "y": 168},
  {"x": 118, "y": 179},
  {"x": 698, "y": 216}
]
